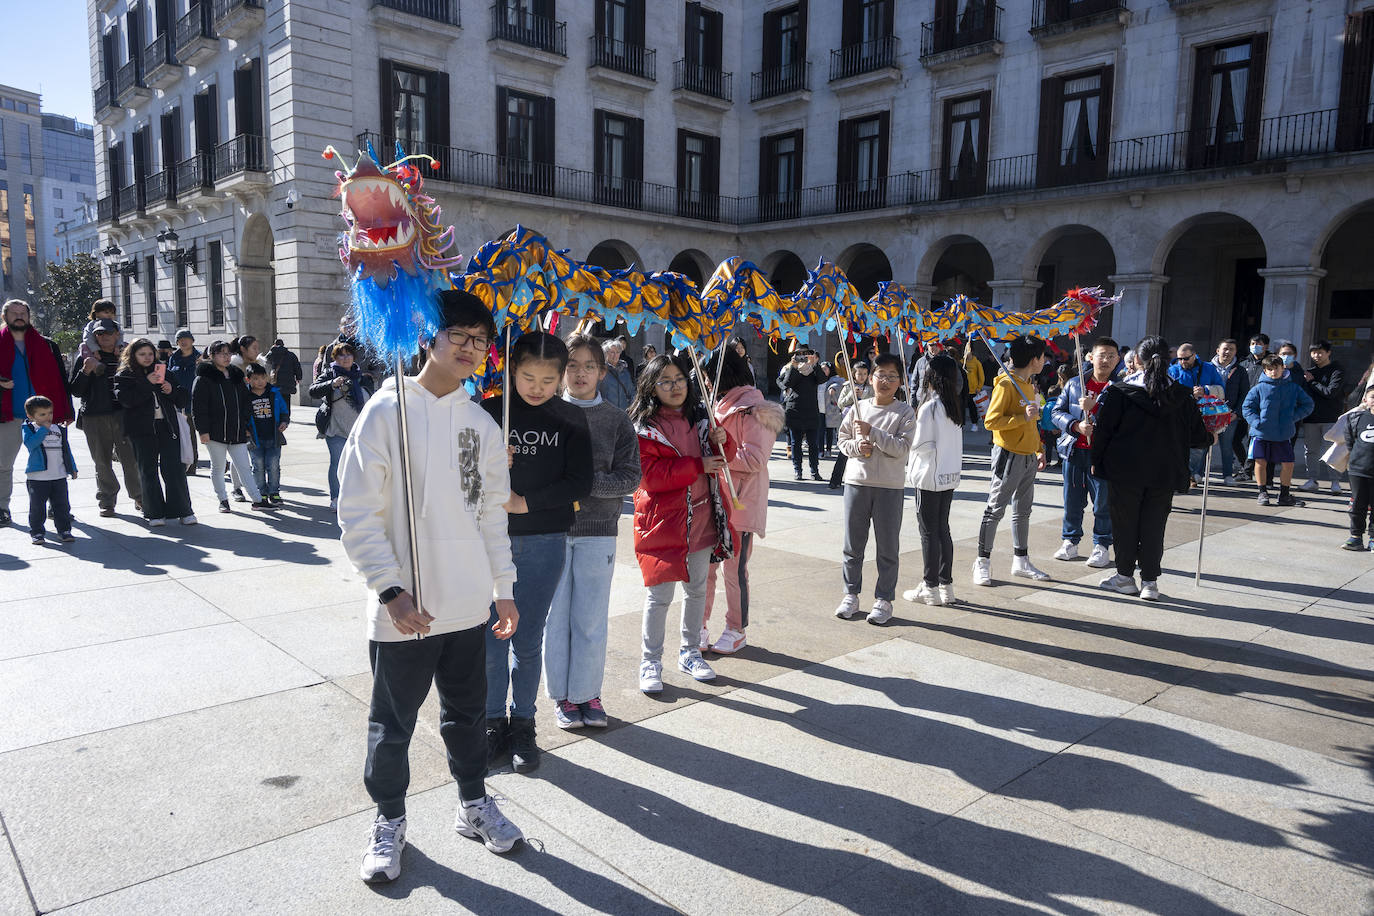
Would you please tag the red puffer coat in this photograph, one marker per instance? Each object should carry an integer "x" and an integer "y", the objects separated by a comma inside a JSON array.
[{"x": 663, "y": 510}]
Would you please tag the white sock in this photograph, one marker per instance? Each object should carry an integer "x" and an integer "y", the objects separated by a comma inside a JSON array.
[{"x": 475, "y": 803}]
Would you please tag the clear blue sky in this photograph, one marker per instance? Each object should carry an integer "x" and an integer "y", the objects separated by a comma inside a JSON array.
[{"x": 46, "y": 50}]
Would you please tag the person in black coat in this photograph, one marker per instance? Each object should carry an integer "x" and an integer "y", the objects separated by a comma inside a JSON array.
[
  {"x": 800, "y": 381},
  {"x": 1145, "y": 426},
  {"x": 1324, "y": 380},
  {"x": 152, "y": 399},
  {"x": 286, "y": 369},
  {"x": 220, "y": 403}
]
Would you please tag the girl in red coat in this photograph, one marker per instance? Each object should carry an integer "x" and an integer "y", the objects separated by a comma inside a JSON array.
[{"x": 681, "y": 525}]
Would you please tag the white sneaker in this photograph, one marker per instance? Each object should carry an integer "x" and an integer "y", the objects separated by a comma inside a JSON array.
[
  {"x": 849, "y": 608},
  {"x": 1023, "y": 567},
  {"x": 1229, "y": 481},
  {"x": 156, "y": 522},
  {"x": 1067, "y": 551},
  {"x": 1335, "y": 488},
  {"x": 484, "y": 821},
  {"x": 1124, "y": 585},
  {"x": 921, "y": 594},
  {"x": 982, "y": 571},
  {"x": 881, "y": 613},
  {"x": 334, "y": 504},
  {"x": 704, "y": 639},
  {"x": 382, "y": 858},
  {"x": 650, "y": 677},
  {"x": 730, "y": 642},
  {"x": 946, "y": 595},
  {"x": 1310, "y": 486},
  {"x": 1101, "y": 557},
  {"x": 689, "y": 661},
  {"x": 188, "y": 520},
  {"x": 1149, "y": 590}
]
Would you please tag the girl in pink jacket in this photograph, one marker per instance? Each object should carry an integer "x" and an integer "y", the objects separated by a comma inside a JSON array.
[{"x": 752, "y": 424}]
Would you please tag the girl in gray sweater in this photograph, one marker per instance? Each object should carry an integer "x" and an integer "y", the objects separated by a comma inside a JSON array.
[{"x": 575, "y": 634}]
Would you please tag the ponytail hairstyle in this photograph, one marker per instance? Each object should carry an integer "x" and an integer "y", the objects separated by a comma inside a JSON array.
[
  {"x": 942, "y": 381},
  {"x": 1153, "y": 355}
]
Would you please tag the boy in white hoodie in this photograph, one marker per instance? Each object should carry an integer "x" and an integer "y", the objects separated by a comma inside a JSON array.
[{"x": 459, "y": 477}]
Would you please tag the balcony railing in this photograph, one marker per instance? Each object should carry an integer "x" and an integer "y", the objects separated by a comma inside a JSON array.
[
  {"x": 244, "y": 153},
  {"x": 1058, "y": 12},
  {"x": 853, "y": 60},
  {"x": 1274, "y": 140},
  {"x": 127, "y": 77},
  {"x": 780, "y": 81},
  {"x": 159, "y": 53},
  {"x": 160, "y": 188},
  {"x": 195, "y": 173},
  {"x": 445, "y": 11},
  {"x": 625, "y": 58},
  {"x": 193, "y": 26},
  {"x": 980, "y": 22},
  {"x": 105, "y": 209},
  {"x": 509, "y": 23},
  {"x": 104, "y": 96},
  {"x": 130, "y": 199},
  {"x": 693, "y": 77}
]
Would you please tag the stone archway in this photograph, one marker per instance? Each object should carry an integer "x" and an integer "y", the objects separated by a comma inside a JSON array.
[
  {"x": 693, "y": 264},
  {"x": 866, "y": 266},
  {"x": 959, "y": 264},
  {"x": 1215, "y": 289},
  {"x": 1069, "y": 257},
  {"x": 613, "y": 254},
  {"x": 257, "y": 280},
  {"x": 1345, "y": 309}
]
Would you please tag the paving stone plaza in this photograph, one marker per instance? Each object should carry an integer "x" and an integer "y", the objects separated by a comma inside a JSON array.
[{"x": 185, "y": 717}]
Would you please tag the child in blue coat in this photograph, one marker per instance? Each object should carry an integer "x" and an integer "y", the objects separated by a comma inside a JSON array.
[
  {"x": 50, "y": 463},
  {"x": 1273, "y": 408},
  {"x": 270, "y": 416}
]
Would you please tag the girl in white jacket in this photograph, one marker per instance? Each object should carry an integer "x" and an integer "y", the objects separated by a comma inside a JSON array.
[{"x": 937, "y": 457}]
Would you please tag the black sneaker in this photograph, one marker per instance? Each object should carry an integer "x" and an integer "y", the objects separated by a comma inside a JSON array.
[
  {"x": 224, "y": 505},
  {"x": 239, "y": 497},
  {"x": 261, "y": 505},
  {"x": 524, "y": 753},
  {"x": 276, "y": 499},
  {"x": 498, "y": 734},
  {"x": 1288, "y": 499},
  {"x": 816, "y": 475},
  {"x": 5, "y": 517},
  {"x": 797, "y": 476},
  {"x": 1353, "y": 543}
]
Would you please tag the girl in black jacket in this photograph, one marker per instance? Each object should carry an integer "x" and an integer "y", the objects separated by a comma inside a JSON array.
[
  {"x": 1145, "y": 426},
  {"x": 151, "y": 399},
  {"x": 344, "y": 388},
  {"x": 220, "y": 404}
]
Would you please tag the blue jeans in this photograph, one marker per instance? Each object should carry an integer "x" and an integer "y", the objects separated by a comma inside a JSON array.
[
  {"x": 1079, "y": 484},
  {"x": 336, "y": 446},
  {"x": 1226, "y": 441},
  {"x": 267, "y": 467},
  {"x": 575, "y": 634},
  {"x": 514, "y": 663}
]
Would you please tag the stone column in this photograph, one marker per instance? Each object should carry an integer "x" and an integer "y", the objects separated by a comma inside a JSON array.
[
  {"x": 1290, "y": 304},
  {"x": 1013, "y": 295},
  {"x": 1139, "y": 311},
  {"x": 922, "y": 292}
]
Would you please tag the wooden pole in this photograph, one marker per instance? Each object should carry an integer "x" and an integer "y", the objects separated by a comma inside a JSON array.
[{"x": 711, "y": 422}]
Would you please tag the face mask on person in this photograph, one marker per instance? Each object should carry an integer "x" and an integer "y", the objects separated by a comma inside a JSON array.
[
  {"x": 1256, "y": 350},
  {"x": 1288, "y": 360}
]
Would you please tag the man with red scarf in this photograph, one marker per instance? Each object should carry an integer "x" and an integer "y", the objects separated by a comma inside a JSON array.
[{"x": 29, "y": 365}]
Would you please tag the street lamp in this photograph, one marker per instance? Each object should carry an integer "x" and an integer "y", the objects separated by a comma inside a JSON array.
[
  {"x": 111, "y": 257},
  {"x": 169, "y": 246}
]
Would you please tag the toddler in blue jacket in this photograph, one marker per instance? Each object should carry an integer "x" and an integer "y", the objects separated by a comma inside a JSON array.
[
  {"x": 1273, "y": 408},
  {"x": 50, "y": 462}
]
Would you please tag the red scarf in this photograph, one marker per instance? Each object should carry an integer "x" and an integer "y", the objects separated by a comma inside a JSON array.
[{"x": 45, "y": 375}]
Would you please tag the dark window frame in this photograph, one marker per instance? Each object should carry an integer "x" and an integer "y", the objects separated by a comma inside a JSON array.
[
  {"x": 1052, "y": 170},
  {"x": 625, "y": 189},
  {"x": 971, "y": 183},
  {"x": 437, "y": 117},
  {"x": 532, "y": 171},
  {"x": 214, "y": 282},
  {"x": 854, "y": 191},
  {"x": 150, "y": 291},
  {"x": 775, "y": 201},
  {"x": 698, "y": 202},
  {"x": 1355, "y": 114},
  {"x": 1205, "y": 148}
]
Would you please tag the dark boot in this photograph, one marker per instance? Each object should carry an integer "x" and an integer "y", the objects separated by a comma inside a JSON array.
[
  {"x": 498, "y": 737},
  {"x": 524, "y": 754}
]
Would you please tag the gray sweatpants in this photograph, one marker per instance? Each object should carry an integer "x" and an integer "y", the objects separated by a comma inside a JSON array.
[
  {"x": 1313, "y": 447},
  {"x": 106, "y": 440},
  {"x": 11, "y": 444},
  {"x": 1016, "y": 486},
  {"x": 659, "y": 598},
  {"x": 880, "y": 507}
]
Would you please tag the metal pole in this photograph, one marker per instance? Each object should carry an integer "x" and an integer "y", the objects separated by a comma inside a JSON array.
[
  {"x": 407, "y": 484},
  {"x": 1202, "y": 524},
  {"x": 711, "y": 423},
  {"x": 505, "y": 390}
]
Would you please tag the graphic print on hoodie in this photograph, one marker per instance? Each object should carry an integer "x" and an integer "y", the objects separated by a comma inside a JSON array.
[{"x": 553, "y": 462}]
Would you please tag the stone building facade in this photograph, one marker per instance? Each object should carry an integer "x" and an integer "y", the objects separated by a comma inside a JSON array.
[{"x": 1211, "y": 159}]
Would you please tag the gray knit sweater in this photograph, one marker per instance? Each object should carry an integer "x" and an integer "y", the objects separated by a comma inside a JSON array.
[{"x": 615, "y": 469}]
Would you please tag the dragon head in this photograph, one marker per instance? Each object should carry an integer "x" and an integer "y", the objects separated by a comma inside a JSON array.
[{"x": 391, "y": 224}]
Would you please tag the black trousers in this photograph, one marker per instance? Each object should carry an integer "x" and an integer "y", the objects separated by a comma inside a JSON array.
[
  {"x": 1139, "y": 515},
  {"x": 45, "y": 493},
  {"x": 456, "y": 664},
  {"x": 169, "y": 497},
  {"x": 812, "y": 437},
  {"x": 1361, "y": 499},
  {"x": 937, "y": 543}
]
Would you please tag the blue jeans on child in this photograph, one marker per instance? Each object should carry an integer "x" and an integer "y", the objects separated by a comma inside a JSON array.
[
  {"x": 575, "y": 634},
  {"x": 1079, "y": 484},
  {"x": 513, "y": 664},
  {"x": 336, "y": 447},
  {"x": 266, "y": 468}
]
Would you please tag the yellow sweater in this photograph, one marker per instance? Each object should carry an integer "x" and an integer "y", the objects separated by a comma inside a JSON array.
[
  {"x": 1006, "y": 418},
  {"x": 974, "y": 370}
]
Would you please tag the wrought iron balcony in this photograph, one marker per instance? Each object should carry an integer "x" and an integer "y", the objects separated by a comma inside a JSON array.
[
  {"x": 780, "y": 81},
  {"x": 129, "y": 82},
  {"x": 854, "y": 60},
  {"x": 130, "y": 200},
  {"x": 693, "y": 77},
  {"x": 195, "y": 174},
  {"x": 980, "y": 22},
  {"x": 510, "y": 23},
  {"x": 244, "y": 153},
  {"x": 1053, "y": 16},
  {"x": 160, "y": 61},
  {"x": 106, "y": 211},
  {"x": 624, "y": 58},
  {"x": 103, "y": 96},
  {"x": 445, "y": 11},
  {"x": 160, "y": 188},
  {"x": 195, "y": 34},
  {"x": 237, "y": 18}
]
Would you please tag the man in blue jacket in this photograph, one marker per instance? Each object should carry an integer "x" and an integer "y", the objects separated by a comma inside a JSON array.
[{"x": 1202, "y": 378}]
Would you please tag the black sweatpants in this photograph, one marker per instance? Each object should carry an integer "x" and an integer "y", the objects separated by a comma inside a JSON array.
[
  {"x": 168, "y": 497},
  {"x": 1139, "y": 515},
  {"x": 456, "y": 664},
  {"x": 1361, "y": 502},
  {"x": 812, "y": 437},
  {"x": 937, "y": 543}
]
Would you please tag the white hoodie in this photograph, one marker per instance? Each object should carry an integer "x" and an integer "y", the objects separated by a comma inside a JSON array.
[
  {"x": 937, "y": 450},
  {"x": 461, "y": 484}
]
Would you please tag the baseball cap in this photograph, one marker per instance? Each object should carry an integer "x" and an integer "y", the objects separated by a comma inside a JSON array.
[
  {"x": 105, "y": 326},
  {"x": 185, "y": 332}
]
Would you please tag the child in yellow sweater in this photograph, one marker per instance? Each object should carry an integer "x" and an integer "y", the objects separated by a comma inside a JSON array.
[{"x": 1013, "y": 418}]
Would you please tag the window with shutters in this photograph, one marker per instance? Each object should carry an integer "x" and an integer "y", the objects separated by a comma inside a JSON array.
[
  {"x": 214, "y": 281},
  {"x": 784, "y": 53},
  {"x": 1227, "y": 91},
  {"x": 150, "y": 290},
  {"x": 866, "y": 39},
  {"x": 1355, "y": 116},
  {"x": 700, "y": 69},
  {"x": 530, "y": 23},
  {"x": 698, "y": 175},
  {"x": 619, "y": 156},
  {"x": 960, "y": 24},
  {"x": 126, "y": 297},
  {"x": 619, "y": 40},
  {"x": 180, "y": 294},
  {"x": 780, "y": 175},
  {"x": 525, "y": 141},
  {"x": 861, "y": 176},
  {"x": 965, "y": 161},
  {"x": 1075, "y": 127},
  {"x": 416, "y": 103}
]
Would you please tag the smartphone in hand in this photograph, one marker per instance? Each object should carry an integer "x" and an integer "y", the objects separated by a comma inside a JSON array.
[{"x": 158, "y": 373}]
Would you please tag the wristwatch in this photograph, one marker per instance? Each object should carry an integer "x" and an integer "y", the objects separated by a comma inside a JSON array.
[{"x": 391, "y": 594}]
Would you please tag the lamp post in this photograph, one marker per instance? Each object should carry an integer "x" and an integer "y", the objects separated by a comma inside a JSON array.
[{"x": 169, "y": 246}]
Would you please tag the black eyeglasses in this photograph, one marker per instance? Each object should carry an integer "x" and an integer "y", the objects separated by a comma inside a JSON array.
[{"x": 462, "y": 339}]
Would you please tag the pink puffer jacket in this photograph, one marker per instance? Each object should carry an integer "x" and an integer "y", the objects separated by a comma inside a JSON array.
[{"x": 753, "y": 423}]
